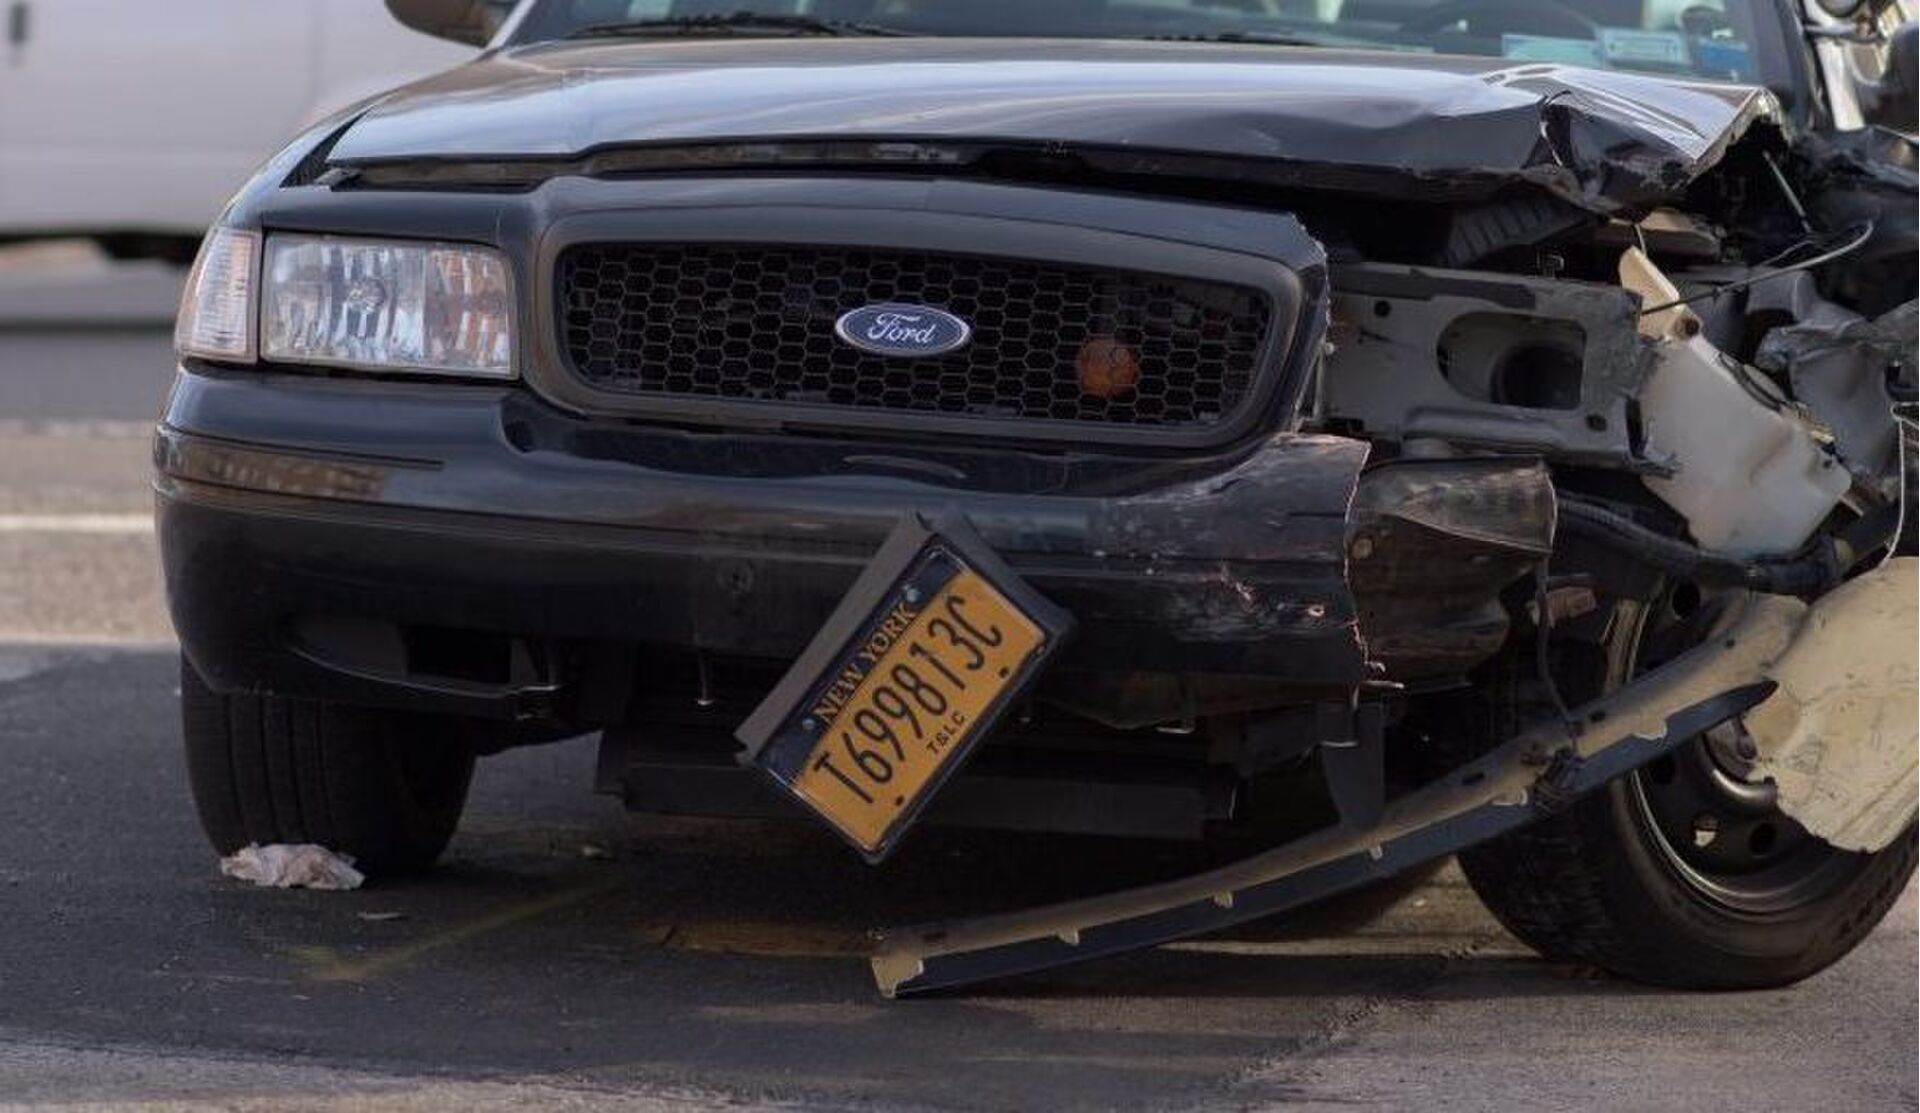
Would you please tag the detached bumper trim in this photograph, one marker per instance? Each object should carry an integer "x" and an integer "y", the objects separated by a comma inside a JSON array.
[{"x": 1541, "y": 769}]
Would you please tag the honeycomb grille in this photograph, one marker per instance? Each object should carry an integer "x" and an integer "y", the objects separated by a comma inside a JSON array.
[{"x": 1051, "y": 342}]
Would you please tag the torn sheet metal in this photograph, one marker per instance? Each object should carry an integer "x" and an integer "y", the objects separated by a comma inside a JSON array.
[
  {"x": 1841, "y": 737},
  {"x": 1837, "y": 362},
  {"x": 1455, "y": 356},
  {"x": 1543, "y": 767},
  {"x": 292, "y": 866},
  {"x": 1397, "y": 125}
]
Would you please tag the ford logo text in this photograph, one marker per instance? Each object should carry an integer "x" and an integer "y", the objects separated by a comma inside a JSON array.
[{"x": 903, "y": 330}]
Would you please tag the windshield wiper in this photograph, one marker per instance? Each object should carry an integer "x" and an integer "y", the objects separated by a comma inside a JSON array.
[
  {"x": 1263, "y": 38},
  {"x": 731, "y": 23}
]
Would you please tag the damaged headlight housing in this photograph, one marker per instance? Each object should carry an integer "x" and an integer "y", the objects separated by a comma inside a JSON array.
[{"x": 387, "y": 305}]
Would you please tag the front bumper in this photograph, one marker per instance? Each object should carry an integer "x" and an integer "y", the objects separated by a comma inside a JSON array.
[{"x": 472, "y": 550}]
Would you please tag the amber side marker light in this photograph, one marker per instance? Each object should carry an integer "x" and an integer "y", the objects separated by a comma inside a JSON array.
[{"x": 1108, "y": 368}]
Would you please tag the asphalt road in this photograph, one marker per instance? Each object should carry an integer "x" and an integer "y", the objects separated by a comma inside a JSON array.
[{"x": 570, "y": 956}]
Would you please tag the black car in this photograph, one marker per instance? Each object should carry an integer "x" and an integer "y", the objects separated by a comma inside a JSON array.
[{"x": 1384, "y": 427}]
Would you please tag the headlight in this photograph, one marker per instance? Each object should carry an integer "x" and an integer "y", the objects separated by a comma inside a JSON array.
[
  {"x": 387, "y": 306},
  {"x": 216, "y": 307}
]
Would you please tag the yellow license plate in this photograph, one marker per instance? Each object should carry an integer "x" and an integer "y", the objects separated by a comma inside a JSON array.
[
  {"x": 895, "y": 718},
  {"x": 933, "y": 661}
]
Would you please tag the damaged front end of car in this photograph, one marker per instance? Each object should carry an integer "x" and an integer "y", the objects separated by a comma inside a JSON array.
[
  {"x": 1432, "y": 443},
  {"x": 1645, "y": 376}
]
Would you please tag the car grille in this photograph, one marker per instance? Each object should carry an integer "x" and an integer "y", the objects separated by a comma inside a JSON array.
[{"x": 1051, "y": 341}]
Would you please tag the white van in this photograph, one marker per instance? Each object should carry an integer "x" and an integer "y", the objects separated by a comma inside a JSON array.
[{"x": 132, "y": 121}]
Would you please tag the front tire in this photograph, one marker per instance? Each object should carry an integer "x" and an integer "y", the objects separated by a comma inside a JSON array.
[
  {"x": 1682, "y": 874},
  {"x": 384, "y": 787}
]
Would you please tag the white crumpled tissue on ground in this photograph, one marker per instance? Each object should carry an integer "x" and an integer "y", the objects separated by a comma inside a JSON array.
[{"x": 302, "y": 866}]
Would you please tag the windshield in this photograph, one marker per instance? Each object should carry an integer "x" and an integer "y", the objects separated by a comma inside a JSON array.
[{"x": 1716, "y": 39}]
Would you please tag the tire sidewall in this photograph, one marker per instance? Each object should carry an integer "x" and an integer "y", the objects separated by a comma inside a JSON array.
[{"x": 1702, "y": 940}]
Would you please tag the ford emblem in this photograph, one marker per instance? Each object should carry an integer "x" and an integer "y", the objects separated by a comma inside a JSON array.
[{"x": 903, "y": 330}]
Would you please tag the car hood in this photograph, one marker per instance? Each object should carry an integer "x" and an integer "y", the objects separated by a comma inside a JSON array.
[{"x": 1604, "y": 139}]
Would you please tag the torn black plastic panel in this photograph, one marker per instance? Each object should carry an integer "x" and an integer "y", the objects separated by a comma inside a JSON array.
[{"x": 1434, "y": 543}]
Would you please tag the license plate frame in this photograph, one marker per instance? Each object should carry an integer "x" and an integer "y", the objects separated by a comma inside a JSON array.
[{"x": 915, "y": 570}]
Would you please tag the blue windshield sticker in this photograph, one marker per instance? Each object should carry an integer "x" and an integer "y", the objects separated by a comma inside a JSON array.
[
  {"x": 1725, "y": 58},
  {"x": 1624, "y": 46},
  {"x": 1546, "y": 48}
]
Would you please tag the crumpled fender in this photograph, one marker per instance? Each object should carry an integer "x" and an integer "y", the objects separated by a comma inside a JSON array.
[{"x": 1841, "y": 735}]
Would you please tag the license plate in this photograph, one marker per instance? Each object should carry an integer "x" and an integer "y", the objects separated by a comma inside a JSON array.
[{"x": 928, "y": 650}]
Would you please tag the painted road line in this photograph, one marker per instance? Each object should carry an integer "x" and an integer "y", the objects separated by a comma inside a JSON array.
[
  {"x": 90, "y": 428},
  {"x": 326, "y": 964},
  {"x": 111, "y": 524}
]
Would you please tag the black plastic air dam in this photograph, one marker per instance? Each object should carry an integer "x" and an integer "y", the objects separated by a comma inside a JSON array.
[{"x": 1539, "y": 770}]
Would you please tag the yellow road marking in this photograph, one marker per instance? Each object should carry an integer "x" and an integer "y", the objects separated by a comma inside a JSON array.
[
  {"x": 325, "y": 964},
  {"x": 759, "y": 938}
]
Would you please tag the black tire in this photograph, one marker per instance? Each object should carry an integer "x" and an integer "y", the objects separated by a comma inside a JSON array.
[
  {"x": 384, "y": 787},
  {"x": 1610, "y": 883}
]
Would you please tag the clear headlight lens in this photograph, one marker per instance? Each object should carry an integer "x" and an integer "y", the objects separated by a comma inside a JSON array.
[
  {"x": 387, "y": 306},
  {"x": 216, "y": 307}
]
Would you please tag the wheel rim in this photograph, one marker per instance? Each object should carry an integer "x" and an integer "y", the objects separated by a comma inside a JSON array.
[{"x": 1719, "y": 830}]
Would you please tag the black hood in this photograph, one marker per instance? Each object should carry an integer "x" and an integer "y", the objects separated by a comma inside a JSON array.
[{"x": 1602, "y": 139}]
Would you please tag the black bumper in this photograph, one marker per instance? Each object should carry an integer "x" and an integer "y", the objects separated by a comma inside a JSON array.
[{"x": 337, "y": 539}]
